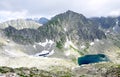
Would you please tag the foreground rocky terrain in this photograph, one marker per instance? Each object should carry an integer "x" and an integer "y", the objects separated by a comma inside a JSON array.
[{"x": 90, "y": 70}]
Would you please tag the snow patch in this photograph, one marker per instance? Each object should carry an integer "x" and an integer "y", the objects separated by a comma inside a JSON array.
[
  {"x": 51, "y": 42},
  {"x": 46, "y": 42},
  {"x": 51, "y": 53},
  {"x": 92, "y": 43},
  {"x": 68, "y": 43},
  {"x": 108, "y": 31},
  {"x": 44, "y": 52},
  {"x": 65, "y": 29},
  {"x": 83, "y": 46},
  {"x": 105, "y": 33},
  {"x": 97, "y": 40},
  {"x": 8, "y": 40},
  {"x": 34, "y": 46},
  {"x": 113, "y": 28},
  {"x": 8, "y": 52}
]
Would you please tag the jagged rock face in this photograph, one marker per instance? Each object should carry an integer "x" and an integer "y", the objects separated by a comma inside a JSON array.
[
  {"x": 105, "y": 22},
  {"x": 23, "y": 36},
  {"x": 20, "y": 24},
  {"x": 73, "y": 25},
  {"x": 111, "y": 28},
  {"x": 116, "y": 28}
]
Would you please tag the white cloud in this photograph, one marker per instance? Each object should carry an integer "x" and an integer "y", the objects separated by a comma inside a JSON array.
[
  {"x": 9, "y": 15},
  {"x": 114, "y": 13},
  {"x": 48, "y": 8}
]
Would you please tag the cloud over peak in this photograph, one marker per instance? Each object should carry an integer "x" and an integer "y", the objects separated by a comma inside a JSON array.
[{"x": 49, "y": 8}]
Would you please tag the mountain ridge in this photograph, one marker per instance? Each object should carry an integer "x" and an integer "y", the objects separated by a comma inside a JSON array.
[{"x": 20, "y": 24}]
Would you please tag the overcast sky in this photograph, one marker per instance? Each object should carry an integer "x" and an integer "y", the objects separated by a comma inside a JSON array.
[{"x": 10, "y": 9}]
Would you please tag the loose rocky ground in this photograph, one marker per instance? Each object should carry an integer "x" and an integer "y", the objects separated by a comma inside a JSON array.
[{"x": 90, "y": 70}]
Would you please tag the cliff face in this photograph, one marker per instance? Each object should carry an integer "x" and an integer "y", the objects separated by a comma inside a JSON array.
[{"x": 73, "y": 25}]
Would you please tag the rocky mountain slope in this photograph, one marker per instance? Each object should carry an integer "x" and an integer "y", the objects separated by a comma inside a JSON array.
[
  {"x": 67, "y": 32},
  {"x": 74, "y": 25},
  {"x": 20, "y": 24},
  {"x": 59, "y": 42}
]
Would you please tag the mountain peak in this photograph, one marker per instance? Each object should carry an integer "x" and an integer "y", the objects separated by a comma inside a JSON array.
[
  {"x": 69, "y": 11},
  {"x": 43, "y": 20},
  {"x": 70, "y": 15},
  {"x": 72, "y": 12}
]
